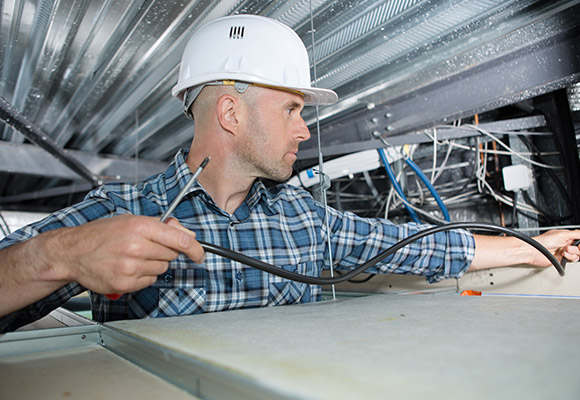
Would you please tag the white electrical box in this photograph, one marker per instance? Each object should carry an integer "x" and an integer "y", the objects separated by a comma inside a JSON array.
[{"x": 517, "y": 177}]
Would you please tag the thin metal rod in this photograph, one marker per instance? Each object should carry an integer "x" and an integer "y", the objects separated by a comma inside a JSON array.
[
  {"x": 323, "y": 180},
  {"x": 11, "y": 116},
  {"x": 183, "y": 191}
]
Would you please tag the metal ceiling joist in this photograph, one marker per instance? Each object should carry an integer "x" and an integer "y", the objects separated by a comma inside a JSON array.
[
  {"x": 15, "y": 119},
  {"x": 450, "y": 132},
  {"x": 28, "y": 159},
  {"x": 47, "y": 193}
]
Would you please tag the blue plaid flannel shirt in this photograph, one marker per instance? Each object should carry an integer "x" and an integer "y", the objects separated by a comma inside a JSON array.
[{"x": 282, "y": 225}]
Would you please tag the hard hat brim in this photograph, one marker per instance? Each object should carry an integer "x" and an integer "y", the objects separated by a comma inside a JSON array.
[
  {"x": 316, "y": 96},
  {"x": 312, "y": 96}
]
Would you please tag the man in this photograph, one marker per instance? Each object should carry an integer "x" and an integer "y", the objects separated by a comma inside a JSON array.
[{"x": 246, "y": 101}]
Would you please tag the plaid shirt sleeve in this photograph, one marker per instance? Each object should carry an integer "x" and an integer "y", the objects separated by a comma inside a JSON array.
[
  {"x": 103, "y": 202},
  {"x": 83, "y": 212},
  {"x": 440, "y": 256}
]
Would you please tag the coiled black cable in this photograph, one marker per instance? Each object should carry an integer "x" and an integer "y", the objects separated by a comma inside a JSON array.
[{"x": 315, "y": 280}]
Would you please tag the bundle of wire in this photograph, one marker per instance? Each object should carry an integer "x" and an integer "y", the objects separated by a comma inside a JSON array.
[
  {"x": 530, "y": 209},
  {"x": 476, "y": 187}
]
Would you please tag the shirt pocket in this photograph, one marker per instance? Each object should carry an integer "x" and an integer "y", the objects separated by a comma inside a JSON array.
[
  {"x": 181, "y": 290},
  {"x": 181, "y": 301},
  {"x": 284, "y": 291}
]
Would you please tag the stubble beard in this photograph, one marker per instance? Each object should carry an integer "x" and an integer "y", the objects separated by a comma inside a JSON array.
[{"x": 256, "y": 151}]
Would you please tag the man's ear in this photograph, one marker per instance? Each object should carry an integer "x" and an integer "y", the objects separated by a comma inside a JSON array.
[{"x": 227, "y": 110}]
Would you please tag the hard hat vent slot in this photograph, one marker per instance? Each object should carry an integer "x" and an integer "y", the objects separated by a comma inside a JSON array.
[{"x": 237, "y": 32}]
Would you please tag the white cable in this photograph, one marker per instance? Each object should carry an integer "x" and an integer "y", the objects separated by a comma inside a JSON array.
[
  {"x": 433, "y": 138},
  {"x": 463, "y": 196},
  {"x": 434, "y": 155},
  {"x": 458, "y": 165},
  {"x": 513, "y": 152},
  {"x": 509, "y": 201},
  {"x": 388, "y": 204},
  {"x": 479, "y": 167},
  {"x": 510, "y": 151},
  {"x": 421, "y": 194},
  {"x": 443, "y": 165},
  {"x": 458, "y": 198},
  {"x": 390, "y": 196},
  {"x": 547, "y": 228},
  {"x": 498, "y": 131},
  {"x": 420, "y": 211},
  {"x": 499, "y": 152}
]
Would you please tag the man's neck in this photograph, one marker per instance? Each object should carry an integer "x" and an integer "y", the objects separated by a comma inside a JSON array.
[
  {"x": 225, "y": 184},
  {"x": 227, "y": 200}
]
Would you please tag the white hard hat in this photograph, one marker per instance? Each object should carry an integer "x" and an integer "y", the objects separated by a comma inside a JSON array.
[{"x": 243, "y": 49}]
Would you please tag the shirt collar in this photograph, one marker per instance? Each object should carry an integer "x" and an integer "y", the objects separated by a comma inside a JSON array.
[
  {"x": 182, "y": 174},
  {"x": 179, "y": 173},
  {"x": 258, "y": 193}
]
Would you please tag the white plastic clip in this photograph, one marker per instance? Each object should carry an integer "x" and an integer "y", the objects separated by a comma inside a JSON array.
[{"x": 321, "y": 187}]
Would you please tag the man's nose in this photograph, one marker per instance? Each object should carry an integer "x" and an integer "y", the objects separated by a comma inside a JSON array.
[{"x": 303, "y": 131}]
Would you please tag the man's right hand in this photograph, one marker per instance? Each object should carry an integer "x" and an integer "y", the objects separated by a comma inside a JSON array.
[{"x": 114, "y": 255}]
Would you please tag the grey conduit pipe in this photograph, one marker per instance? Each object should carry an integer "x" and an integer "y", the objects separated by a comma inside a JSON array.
[{"x": 11, "y": 116}]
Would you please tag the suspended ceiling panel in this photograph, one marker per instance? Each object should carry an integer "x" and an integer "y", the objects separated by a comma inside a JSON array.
[{"x": 95, "y": 76}]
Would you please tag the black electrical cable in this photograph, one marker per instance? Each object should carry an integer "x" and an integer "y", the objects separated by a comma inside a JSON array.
[
  {"x": 300, "y": 180},
  {"x": 547, "y": 216},
  {"x": 538, "y": 218},
  {"x": 564, "y": 261},
  {"x": 4, "y": 226},
  {"x": 515, "y": 210},
  {"x": 364, "y": 280},
  {"x": 536, "y": 153},
  {"x": 14, "y": 118},
  {"x": 314, "y": 280}
]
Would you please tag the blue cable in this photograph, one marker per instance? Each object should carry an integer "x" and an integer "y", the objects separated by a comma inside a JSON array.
[
  {"x": 427, "y": 183},
  {"x": 396, "y": 185}
]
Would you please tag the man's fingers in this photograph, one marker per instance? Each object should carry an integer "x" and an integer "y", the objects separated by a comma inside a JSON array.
[
  {"x": 572, "y": 253},
  {"x": 153, "y": 268},
  {"x": 152, "y": 250},
  {"x": 171, "y": 235},
  {"x": 133, "y": 279},
  {"x": 178, "y": 237}
]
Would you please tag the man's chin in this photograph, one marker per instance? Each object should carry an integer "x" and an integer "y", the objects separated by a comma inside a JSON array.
[{"x": 277, "y": 177}]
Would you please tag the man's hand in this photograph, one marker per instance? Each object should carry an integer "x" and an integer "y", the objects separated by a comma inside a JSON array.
[
  {"x": 114, "y": 255},
  {"x": 496, "y": 251},
  {"x": 124, "y": 253},
  {"x": 560, "y": 244}
]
